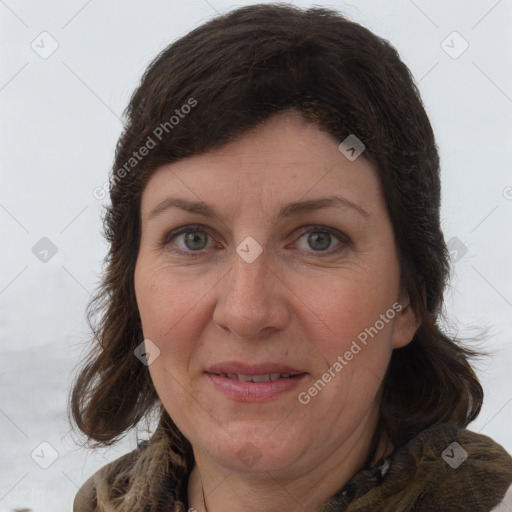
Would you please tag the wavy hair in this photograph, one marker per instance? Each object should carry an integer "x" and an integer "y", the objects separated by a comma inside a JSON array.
[{"x": 240, "y": 69}]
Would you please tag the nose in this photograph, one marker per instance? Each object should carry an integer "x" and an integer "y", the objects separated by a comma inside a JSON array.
[{"x": 252, "y": 300}]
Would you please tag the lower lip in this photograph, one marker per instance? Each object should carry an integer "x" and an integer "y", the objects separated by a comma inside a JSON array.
[{"x": 255, "y": 391}]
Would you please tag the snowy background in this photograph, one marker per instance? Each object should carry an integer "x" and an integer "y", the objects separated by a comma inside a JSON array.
[{"x": 67, "y": 71}]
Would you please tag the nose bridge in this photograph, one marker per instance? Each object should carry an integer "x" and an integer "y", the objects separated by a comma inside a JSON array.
[
  {"x": 251, "y": 297},
  {"x": 248, "y": 283},
  {"x": 250, "y": 262}
]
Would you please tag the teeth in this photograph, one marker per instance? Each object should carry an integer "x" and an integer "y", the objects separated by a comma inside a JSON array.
[
  {"x": 255, "y": 378},
  {"x": 261, "y": 378}
]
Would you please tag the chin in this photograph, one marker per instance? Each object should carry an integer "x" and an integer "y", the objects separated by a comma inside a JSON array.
[{"x": 251, "y": 448}]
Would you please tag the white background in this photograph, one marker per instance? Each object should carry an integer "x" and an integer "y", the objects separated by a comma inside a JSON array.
[{"x": 60, "y": 120}]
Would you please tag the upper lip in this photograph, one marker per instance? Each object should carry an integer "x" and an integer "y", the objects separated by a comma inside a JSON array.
[{"x": 252, "y": 369}]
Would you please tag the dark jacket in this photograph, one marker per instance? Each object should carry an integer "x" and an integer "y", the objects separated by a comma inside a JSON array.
[{"x": 443, "y": 469}]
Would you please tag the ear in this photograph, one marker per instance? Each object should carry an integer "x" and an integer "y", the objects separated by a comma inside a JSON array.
[{"x": 406, "y": 323}]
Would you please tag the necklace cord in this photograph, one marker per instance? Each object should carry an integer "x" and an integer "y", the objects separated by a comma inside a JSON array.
[{"x": 204, "y": 499}]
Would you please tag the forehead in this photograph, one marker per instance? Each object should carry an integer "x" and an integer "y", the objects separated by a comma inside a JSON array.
[{"x": 283, "y": 159}]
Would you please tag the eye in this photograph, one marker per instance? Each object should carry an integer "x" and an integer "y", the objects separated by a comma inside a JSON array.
[
  {"x": 192, "y": 239},
  {"x": 320, "y": 239},
  {"x": 188, "y": 239}
]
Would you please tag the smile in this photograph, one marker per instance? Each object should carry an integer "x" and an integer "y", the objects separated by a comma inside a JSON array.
[
  {"x": 255, "y": 388},
  {"x": 265, "y": 377}
]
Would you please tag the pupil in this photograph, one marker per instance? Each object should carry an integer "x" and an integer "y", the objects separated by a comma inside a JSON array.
[
  {"x": 192, "y": 238},
  {"x": 319, "y": 240}
]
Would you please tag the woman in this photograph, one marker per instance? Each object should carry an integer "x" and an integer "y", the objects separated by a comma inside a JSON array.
[{"x": 274, "y": 284}]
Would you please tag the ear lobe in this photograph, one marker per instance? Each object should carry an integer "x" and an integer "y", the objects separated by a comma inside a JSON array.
[{"x": 406, "y": 325}]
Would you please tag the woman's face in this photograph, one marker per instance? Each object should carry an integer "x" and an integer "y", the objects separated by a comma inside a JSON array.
[{"x": 272, "y": 255}]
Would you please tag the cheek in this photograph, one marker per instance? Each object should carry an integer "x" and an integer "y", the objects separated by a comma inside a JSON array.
[
  {"x": 354, "y": 345},
  {"x": 163, "y": 300},
  {"x": 351, "y": 323},
  {"x": 347, "y": 308},
  {"x": 166, "y": 308}
]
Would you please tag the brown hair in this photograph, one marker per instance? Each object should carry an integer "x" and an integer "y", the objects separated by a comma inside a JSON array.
[{"x": 236, "y": 71}]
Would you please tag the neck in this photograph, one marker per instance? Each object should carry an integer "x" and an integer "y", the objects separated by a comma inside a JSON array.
[{"x": 274, "y": 491}]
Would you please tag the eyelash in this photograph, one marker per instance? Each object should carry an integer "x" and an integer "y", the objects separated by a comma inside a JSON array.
[{"x": 343, "y": 239}]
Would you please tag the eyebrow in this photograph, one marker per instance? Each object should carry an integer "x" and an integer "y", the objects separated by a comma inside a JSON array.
[{"x": 289, "y": 210}]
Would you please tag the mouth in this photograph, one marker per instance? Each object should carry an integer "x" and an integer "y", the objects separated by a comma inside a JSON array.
[
  {"x": 263, "y": 377},
  {"x": 273, "y": 370},
  {"x": 254, "y": 383}
]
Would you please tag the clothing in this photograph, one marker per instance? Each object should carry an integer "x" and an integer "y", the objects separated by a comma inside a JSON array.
[{"x": 428, "y": 474}]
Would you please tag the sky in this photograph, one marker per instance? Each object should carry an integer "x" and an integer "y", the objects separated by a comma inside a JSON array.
[{"x": 66, "y": 74}]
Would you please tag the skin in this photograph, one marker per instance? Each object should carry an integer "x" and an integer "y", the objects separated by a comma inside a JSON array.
[{"x": 301, "y": 303}]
